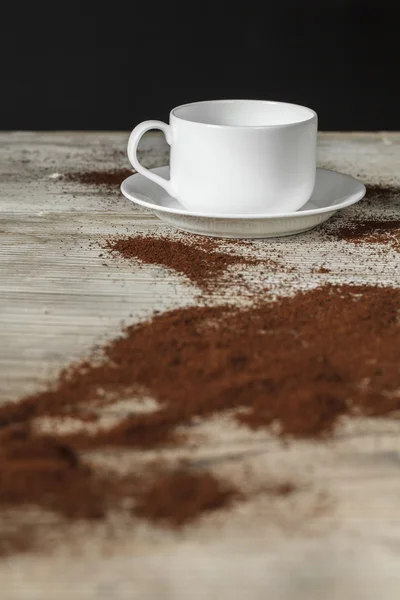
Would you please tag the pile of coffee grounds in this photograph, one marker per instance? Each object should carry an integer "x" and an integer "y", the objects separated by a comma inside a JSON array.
[
  {"x": 202, "y": 262},
  {"x": 103, "y": 179},
  {"x": 300, "y": 362},
  {"x": 371, "y": 231},
  {"x": 177, "y": 498},
  {"x": 43, "y": 471}
]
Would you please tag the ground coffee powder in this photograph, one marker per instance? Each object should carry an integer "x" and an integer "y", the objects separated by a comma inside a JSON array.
[
  {"x": 300, "y": 362},
  {"x": 297, "y": 365},
  {"x": 41, "y": 470},
  {"x": 201, "y": 260},
  {"x": 178, "y": 497},
  {"x": 102, "y": 179},
  {"x": 371, "y": 231},
  {"x": 44, "y": 471},
  {"x": 382, "y": 192}
]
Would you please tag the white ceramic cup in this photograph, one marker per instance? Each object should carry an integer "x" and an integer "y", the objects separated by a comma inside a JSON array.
[{"x": 237, "y": 156}]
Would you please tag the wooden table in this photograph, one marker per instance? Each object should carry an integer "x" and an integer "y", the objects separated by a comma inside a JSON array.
[{"x": 337, "y": 539}]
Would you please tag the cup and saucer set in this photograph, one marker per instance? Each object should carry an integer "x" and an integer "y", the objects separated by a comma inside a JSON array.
[{"x": 240, "y": 169}]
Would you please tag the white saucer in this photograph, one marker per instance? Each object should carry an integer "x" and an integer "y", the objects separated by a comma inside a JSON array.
[{"x": 333, "y": 191}]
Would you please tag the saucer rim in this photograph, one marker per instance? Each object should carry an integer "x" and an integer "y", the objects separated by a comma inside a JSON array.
[{"x": 352, "y": 199}]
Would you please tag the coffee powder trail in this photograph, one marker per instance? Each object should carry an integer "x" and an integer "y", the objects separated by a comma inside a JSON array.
[
  {"x": 17, "y": 538},
  {"x": 383, "y": 192},
  {"x": 43, "y": 471},
  {"x": 384, "y": 232},
  {"x": 102, "y": 179},
  {"x": 179, "y": 497},
  {"x": 298, "y": 364},
  {"x": 202, "y": 261}
]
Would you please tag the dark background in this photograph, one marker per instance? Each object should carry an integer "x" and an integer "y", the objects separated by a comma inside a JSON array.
[{"x": 93, "y": 65}]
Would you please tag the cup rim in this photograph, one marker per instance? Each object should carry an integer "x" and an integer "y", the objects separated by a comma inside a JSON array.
[{"x": 313, "y": 114}]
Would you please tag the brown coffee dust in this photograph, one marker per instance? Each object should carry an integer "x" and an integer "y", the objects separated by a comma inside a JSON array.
[
  {"x": 371, "y": 231},
  {"x": 182, "y": 496},
  {"x": 202, "y": 261},
  {"x": 45, "y": 471},
  {"x": 383, "y": 232},
  {"x": 298, "y": 365},
  {"x": 41, "y": 470},
  {"x": 101, "y": 179},
  {"x": 383, "y": 192}
]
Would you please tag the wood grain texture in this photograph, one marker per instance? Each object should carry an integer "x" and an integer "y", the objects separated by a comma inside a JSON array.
[{"x": 339, "y": 537}]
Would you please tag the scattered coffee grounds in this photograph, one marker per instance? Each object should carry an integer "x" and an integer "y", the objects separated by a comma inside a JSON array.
[
  {"x": 17, "y": 538},
  {"x": 382, "y": 196},
  {"x": 295, "y": 366},
  {"x": 110, "y": 179},
  {"x": 384, "y": 232},
  {"x": 179, "y": 497},
  {"x": 200, "y": 262},
  {"x": 383, "y": 191},
  {"x": 299, "y": 362},
  {"x": 41, "y": 470}
]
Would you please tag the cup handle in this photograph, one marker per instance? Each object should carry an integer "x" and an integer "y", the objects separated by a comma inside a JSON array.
[{"x": 133, "y": 142}]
